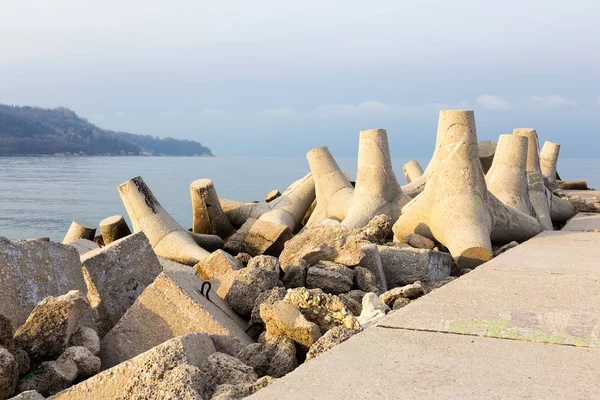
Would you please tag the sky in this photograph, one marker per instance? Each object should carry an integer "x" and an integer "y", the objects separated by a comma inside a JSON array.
[{"x": 277, "y": 78}]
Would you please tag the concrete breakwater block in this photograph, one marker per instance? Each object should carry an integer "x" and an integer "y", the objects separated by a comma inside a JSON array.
[
  {"x": 33, "y": 270},
  {"x": 403, "y": 265},
  {"x": 116, "y": 275},
  {"x": 153, "y": 374},
  {"x": 172, "y": 306},
  {"x": 258, "y": 237},
  {"x": 84, "y": 245}
]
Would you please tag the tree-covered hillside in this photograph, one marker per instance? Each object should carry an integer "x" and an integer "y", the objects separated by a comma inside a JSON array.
[{"x": 34, "y": 130}]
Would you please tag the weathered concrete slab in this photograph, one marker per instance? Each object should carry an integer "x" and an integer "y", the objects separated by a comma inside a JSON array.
[
  {"x": 533, "y": 306},
  {"x": 172, "y": 306},
  {"x": 404, "y": 265},
  {"x": 583, "y": 222},
  {"x": 553, "y": 252},
  {"x": 33, "y": 270},
  {"x": 398, "y": 364},
  {"x": 116, "y": 275},
  {"x": 146, "y": 375}
]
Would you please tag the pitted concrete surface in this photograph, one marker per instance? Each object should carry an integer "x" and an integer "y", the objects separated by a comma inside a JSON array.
[
  {"x": 524, "y": 325},
  {"x": 583, "y": 221}
]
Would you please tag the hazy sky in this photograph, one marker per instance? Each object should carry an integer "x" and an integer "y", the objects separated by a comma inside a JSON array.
[{"x": 277, "y": 77}]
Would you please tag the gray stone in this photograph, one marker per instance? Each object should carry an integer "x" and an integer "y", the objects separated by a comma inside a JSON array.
[
  {"x": 352, "y": 301},
  {"x": 378, "y": 230},
  {"x": 330, "y": 277},
  {"x": 269, "y": 297},
  {"x": 258, "y": 237},
  {"x": 22, "y": 359},
  {"x": 326, "y": 310},
  {"x": 403, "y": 265},
  {"x": 366, "y": 281},
  {"x": 283, "y": 320},
  {"x": 244, "y": 258},
  {"x": 295, "y": 275},
  {"x": 145, "y": 376},
  {"x": 216, "y": 264},
  {"x": 52, "y": 377},
  {"x": 323, "y": 243},
  {"x": 28, "y": 395},
  {"x": 505, "y": 248},
  {"x": 87, "y": 363},
  {"x": 240, "y": 391},
  {"x": 373, "y": 309},
  {"x": 172, "y": 306},
  {"x": 275, "y": 358},
  {"x": 330, "y": 339},
  {"x": 6, "y": 331},
  {"x": 86, "y": 337},
  {"x": 400, "y": 303},
  {"x": 8, "y": 373},
  {"x": 34, "y": 270},
  {"x": 219, "y": 369},
  {"x": 241, "y": 288},
  {"x": 411, "y": 292},
  {"x": 83, "y": 246},
  {"x": 372, "y": 262},
  {"x": 419, "y": 242},
  {"x": 46, "y": 332},
  {"x": 116, "y": 275}
]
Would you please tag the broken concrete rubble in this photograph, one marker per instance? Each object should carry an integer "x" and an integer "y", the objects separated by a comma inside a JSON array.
[
  {"x": 330, "y": 277},
  {"x": 216, "y": 264},
  {"x": 283, "y": 320},
  {"x": 403, "y": 265}
]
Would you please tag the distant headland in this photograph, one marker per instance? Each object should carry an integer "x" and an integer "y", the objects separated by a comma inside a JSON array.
[{"x": 60, "y": 131}]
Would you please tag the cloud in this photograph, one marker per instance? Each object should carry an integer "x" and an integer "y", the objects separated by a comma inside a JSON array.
[
  {"x": 491, "y": 102},
  {"x": 365, "y": 106},
  {"x": 378, "y": 108},
  {"x": 546, "y": 102},
  {"x": 277, "y": 112}
]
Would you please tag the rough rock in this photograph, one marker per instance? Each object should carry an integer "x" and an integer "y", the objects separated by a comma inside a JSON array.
[
  {"x": 244, "y": 258},
  {"x": 28, "y": 395},
  {"x": 86, "y": 337},
  {"x": 504, "y": 248},
  {"x": 269, "y": 297},
  {"x": 378, "y": 230},
  {"x": 400, "y": 302},
  {"x": 330, "y": 339},
  {"x": 150, "y": 374},
  {"x": 283, "y": 320},
  {"x": 219, "y": 369},
  {"x": 216, "y": 264},
  {"x": 372, "y": 262},
  {"x": 325, "y": 310},
  {"x": 116, "y": 275},
  {"x": 419, "y": 242},
  {"x": 8, "y": 373},
  {"x": 366, "y": 281},
  {"x": 22, "y": 359},
  {"x": 6, "y": 331},
  {"x": 403, "y": 265},
  {"x": 241, "y": 288},
  {"x": 240, "y": 391},
  {"x": 411, "y": 292},
  {"x": 322, "y": 243},
  {"x": 46, "y": 332},
  {"x": 373, "y": 310},
  {"x": 87, "y": 363},
  {"x": 330, "y": 277},
  {"x": 295, "y": 275},
  {"x": 258, "y": 237},
  {"x": 34, "y": 270},
  {"x": 52, "y": 377},
  {"x": 274, "y": 358},
  {"x": 352, "y": 302},
  {"x": 172, "y": 306}
]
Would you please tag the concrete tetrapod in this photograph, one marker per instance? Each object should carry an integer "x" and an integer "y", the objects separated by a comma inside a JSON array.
[
  {"x": 239, "y": 212},
  {"x": 168, "y": 239},
  {"x": 412, "y": 170},
  {"x": 114, "y": 228},
  {"x": 547, "y": 207},
  {"x": 548, "y": 160},
  {"x": 333, "y": 190},
  {"x": 79, "y": 230},
  {"x": 209, "y": 217},
  {"x": 486, "y": 150},
  {"x": 289, "y": 208},
  {"x": 377, "y": 189},
  {"x": 455, "y": 207},
  {"x": 507, "y": 177}
]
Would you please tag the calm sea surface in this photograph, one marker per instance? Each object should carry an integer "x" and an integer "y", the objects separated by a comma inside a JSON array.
[{"x": 40, "y": 196}]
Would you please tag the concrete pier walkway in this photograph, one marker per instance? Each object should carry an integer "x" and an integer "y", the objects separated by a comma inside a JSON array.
[{"x": 524, "y": 325}]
